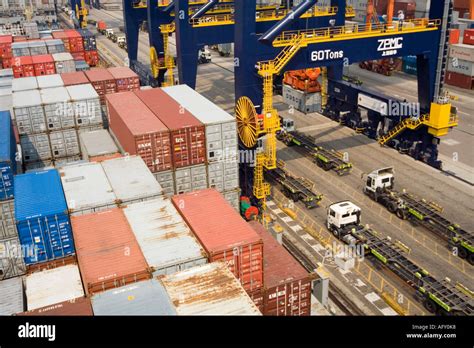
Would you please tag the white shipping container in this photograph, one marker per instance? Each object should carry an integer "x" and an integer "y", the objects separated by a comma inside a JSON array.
[
  {"x": 24, "y": 84},
  {"x": 131, "y": 179},
  {"x": 52, "y": 286},
  {"x": 57, "y": 108},
  {"x": 166, "y": 181},
  {"x": 37, "y": 47},
  {"x": 12, "y": 299},
  {"x": 97, "y": 143},
  {"x": 189, "y": 179},
  {"x": 7, "y": 219},
  {"x": 462, "y": 51},
  {"x": 11, "y": 260},
  {"x": 55, "y": 46},
  {"x": 211, "y": 289},
  {"x": 29, "y": 113},
  {"x": 86, "y": 105},
  {"x": 65, "y": 143},
  {"x": 460, "y": 66},
  {"x": 165, "y": 239},
  {"x": 233, "y": 197},
  {"x": 35, "y": 147},
  {"x": 86, "y": 188},
  {"x": 221, "y": 127},
  {"x": 50, "y": 81},
  {"x": 223, "y": 176},
  {"x": 64, "y": 62}
]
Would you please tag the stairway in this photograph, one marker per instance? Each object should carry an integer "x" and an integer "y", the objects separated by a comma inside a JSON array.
[{"x": 407, "y": 123}]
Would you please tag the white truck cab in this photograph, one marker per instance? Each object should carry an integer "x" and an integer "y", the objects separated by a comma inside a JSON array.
[
  {"x": 379, "y": 180},
  {"x": 342, "y": 217},
  {"x": 287, "y": 125},
  {"x": 204, "y": 56},
  {"x": 121, "y": 39},
  {"x": 109, "y": 32}
]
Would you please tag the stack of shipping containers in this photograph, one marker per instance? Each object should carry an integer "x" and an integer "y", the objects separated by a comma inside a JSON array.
[{"x": 461, "y": 59}]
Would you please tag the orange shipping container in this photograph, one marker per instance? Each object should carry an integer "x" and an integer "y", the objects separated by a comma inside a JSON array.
[
  {"x": 107, "y": 252},
  {"x": 454, "y": 35},
  {"x": 74, "y": 78},
  {"x": 79, "y": 306},
  {"x": 224, "y": 235}
]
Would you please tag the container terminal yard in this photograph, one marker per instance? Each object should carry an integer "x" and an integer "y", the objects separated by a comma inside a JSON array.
[{"x": 215, "y": 157}]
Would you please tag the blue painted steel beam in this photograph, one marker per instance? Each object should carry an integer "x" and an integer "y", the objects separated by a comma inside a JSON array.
[{"x": 205, "y": 8}]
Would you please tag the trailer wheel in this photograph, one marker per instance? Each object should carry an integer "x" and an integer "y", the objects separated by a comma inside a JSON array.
[
  {"x": 392, "y": 207},
  {"x": 327, "y": 166},
  {"x": 430, "y": 305},
  {"x": 294, "y": 197},
  {"x": 462, "y": 252},
  {"x": 319, "y": 162},
  {"x": 470, "y": 259},
  {"x": 401, "y": 214}
]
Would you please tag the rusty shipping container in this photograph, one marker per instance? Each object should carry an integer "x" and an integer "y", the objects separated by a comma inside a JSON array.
[
  {"x": 287, "y": 285},
  {"x": 102, "y": 81},
  {"x": 138, "y": 131},
  {"x": 107, "y": 251},
  {"x": 224, "y": 234},
  {"x": 74, "y": 78},
  {"x": 78, "y": 306},
  {"x": 125, "y": 78},
  {"x": 188, "y": 140}
]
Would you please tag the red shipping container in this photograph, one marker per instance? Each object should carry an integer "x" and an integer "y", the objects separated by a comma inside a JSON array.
[
  {"x": 138, "y": 131},
  {"x": 459, "y": 80},
  {"x": 76, "y": 43},
  {"x": 107, "y": 251},
  {"x": 23, "y": 67},
  {"x": 44, "y": 64},
  {"x": 468, "y": 37},
  {"x": 91, "y": 57},
  {"x": 63, "y": 36},
  {"x": 102, "y": 81},
  {"x": 6, "y": 46},
  {"x": 20, "y": 38},
  {"x": 126, "y": 79},
  {"x": 7, "y": 63},
  {"x": 454, "y": 36},
  {"x": 224, "y": 235},
  {"x": 287, "y": 285},
  {"x": 78, "y": 56},
  {"x": 74, "y": 78},
  {"x": 188, "y": 139},
  {"x": 79, "y": 306}
]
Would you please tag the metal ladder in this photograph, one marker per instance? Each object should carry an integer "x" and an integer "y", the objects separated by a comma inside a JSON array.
[{"x": 407, "y": 123}]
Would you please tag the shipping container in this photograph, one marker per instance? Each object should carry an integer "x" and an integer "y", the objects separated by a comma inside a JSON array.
[
  {"x": 74, "y": 78},
  {"x": 221, "y": 127},
  {"x": 61, "y": 35},
  {"x": 81, "y": 65},
  {"x": 52, "y": 286},
  {"x": 287, "y": 285},
  {"x": 108, "y": 254},
  {"x": 50, "y": 81},
  {"x": 20, "y": 49},
  {"x": 37, "y": 48},
  {"x": 87, "y": 188},
  {"x": 461, "y": 51},
  {"x": 41, "y": 217},
  {"x": 208, "y": 290},
  {"x": 65, "y": 145},
  {"x": 131, "y": 180},
  {"x": 138, "y": 131},
  {"x": 23, "y": 67},
  {"x": 64, "y": 63},
  {"x": 102, "y": 81},
  {"x": 35, "y": 148},
  {"x": 468, "y": 38},
  {"x": 189, "y": 179},
  {"x": 233, "y": 198},
  {"x": 29, "y": 113},
  {"x": 461, "y": 67},
  {"x": 86, "y": 106},
  {"x": 125, "y": 78},
  {"x": 77, "y": 56},
  {"x": 188, "y": 140},
  {"x": 55, "y": 46},
  {"x": 224, "y": 175},
  {"x": 88, "y": 39},
  {"x": 57, "y": 108},
  {"x": 12, "y": 299},
  {"x": 98, "y": 144},
  {"x": 6, "y": 46},
  {"x": 7, "y": 219},
  {"x": 76, "y": 43},
  {"x": 148, "y": 297},
  {"x": 224, "y": 234},
  {"x": 11, "y": 259},
  {"x": 166, "y": 181},
  {"x": 44, "y": 65},
  {"x": 24, "y": 84},
  {"x": 76, "y": 307},
  {"x": 300, "y": 100},
  {"x": 166, "y": 241},
  {"x": 459, "y": 80},
  {"x": 91, "y": 57},
  {"x": 7, "y": 156}
]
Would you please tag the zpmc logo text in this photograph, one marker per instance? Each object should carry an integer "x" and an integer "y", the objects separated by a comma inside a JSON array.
[{"x": 390, "y": 47}]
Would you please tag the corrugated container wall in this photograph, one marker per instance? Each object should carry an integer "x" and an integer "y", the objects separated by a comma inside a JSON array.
[
  {"x": 148, "y": 297},
  {"x": 188, "y": 139},
  {"x": 224, "y": 234},
  {"x": 287, "y": 285},
  {"x": 86, "y": 106},
  {"x": 108, "y": 254},
  {"x": 29, "y": 113},
  {"x": 102, "y": 81},
  {"x": 64, "y": 63},
  {"x": 49, "y": 81},
  {"x": 24, "y": 84},
  {"x": 190, "y": 179},
  {"x": 52, "y": 286},
  {"x": 98, "y": 144},
  {"x": 11, "y": 259},
  {"x": 125, "y": 78},
  {"x": 7, "y": 156},
  {"x": 78, "y": 306},
  {"x": 41, "y": 217},
  {"x": 7, "y": 219},
  {"x": 208, "y": 290},
  {"x": 166, "y": 241},
  {"x": 138, "y": 131},
  {"x": 11, "y": 301}
]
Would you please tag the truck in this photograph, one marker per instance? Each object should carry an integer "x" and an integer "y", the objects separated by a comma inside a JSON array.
[
  {"x": 109, "y": 32},
  {"x": 101, "y": 27},
  {"x": 438, "y": 297},
  {"x": 224, "y": 49},
  {"x": 204, "y": 56},
  {"x": 324, "y": 158},
  {"x": 121, "y": 41},
  {"x": 379, "y": 186}
]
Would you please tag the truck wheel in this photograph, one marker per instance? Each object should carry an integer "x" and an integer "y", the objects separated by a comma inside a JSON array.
[
  {"x": 294, "y": 197},
  {"x": 430, "y": 305},
  {"x": 401, "y": 214},
  {"x": 462, "y": 252},
  {"x": 392, "y": 207},
  {"x": 336, "y": 232},
  {"x": 319, "y": 162},
  {"x": 327, "y": 166}
]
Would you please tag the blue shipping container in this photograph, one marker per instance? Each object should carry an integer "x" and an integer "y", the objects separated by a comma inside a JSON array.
[
  {"x": 409, "y": 65},
  {"x": 41, "y": 217},
  {"x": 89, "y": 40},
  {"x": 7, "y": 156}
]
